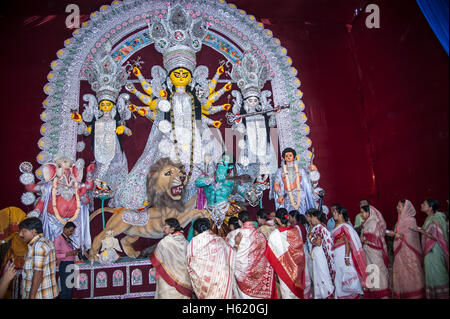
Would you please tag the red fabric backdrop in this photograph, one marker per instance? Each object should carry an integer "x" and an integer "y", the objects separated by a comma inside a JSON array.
[{"x": 376, "y": 99}]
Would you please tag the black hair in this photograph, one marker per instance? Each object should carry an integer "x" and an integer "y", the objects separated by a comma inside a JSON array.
[
  {"x": 310, "y": 211},
  {"x": 434, "y": 204},
  {"x": 366, "y": 208},
  {"x": 235, "y": 222},
  {"x": 336, "y": 205},
  {"x": 322, "y": 217},
  {"x": 295, "y": 214},
  {"x": 368, "y": 203},
  {"x": 262, "y": 213},
  {"x": 288, "y": 150},
  {"x": 302, "y": 219},
  {"x": 343, "y": 211},
  {"x": 32, "y": 223},
  {"x": 173, "y": 222},
  {"x": 244, "y": 216},
  {"x": 318, "y": 214},
  {"x": 201, "y": 225},
  {"x": 280, "y": 214},
  {"x": 70, "y": 225}
]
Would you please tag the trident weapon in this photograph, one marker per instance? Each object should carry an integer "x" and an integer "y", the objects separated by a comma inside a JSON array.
[{"x": 232, "y": 118}]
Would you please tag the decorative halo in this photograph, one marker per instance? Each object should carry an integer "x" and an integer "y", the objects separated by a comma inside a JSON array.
[
  {"x": 39, "y": 174},
  {"x": 164, "y": 106},
  {"x": 25, "y": 167}
]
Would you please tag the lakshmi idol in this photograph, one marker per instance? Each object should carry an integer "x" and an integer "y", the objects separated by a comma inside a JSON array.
[{"x": 292, "y": 187}]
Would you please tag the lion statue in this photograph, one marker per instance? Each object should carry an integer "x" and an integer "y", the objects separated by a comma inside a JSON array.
[{"x": 165, "y": 192}]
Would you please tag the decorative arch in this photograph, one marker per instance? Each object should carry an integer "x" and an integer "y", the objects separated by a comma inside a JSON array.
[{"x": 232, "y": 33}]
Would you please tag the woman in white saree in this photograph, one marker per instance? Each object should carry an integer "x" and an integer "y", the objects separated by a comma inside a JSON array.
[
  {"x": 169, "y": 262},
  {"x": 348, "y": 257},
  {"x": 322, "y": 257}
]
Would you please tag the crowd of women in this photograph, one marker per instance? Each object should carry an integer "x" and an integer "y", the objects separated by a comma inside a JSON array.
[
  {"x": 351, "y": 264},
  {"x": 293, "y": 256}
]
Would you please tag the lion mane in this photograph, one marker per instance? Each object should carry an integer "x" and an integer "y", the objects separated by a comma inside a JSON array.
[{"x": 157, "y": 196}]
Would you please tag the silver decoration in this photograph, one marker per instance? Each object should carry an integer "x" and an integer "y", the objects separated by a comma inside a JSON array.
[
  {"x": 136, "y": 218},
  {"x": 314, "y": 176},
  {"x": 242, "y": 144},
  {"x": 38, "y": 173},
  {"x": 80, "y": 146},
  {"x": 43, "y": 157},
  {"x": 122, "y": 106},
  {"x": 159, "y": 75},
  {"x": 165, "y": 127},
  {"x": 164, "y": 106},
  {"x": 33, "y": 213},
  {"x": 105, "y": 140},
  {"x": 90, "y": 109},
  {"x": 178, "y": 37},
  {"x": 201, "y": 77},
  {"x": 28, "y": 198},
  {"x": 250, "y": 76},
  {"x": 79, "y": 164},
  {"x": 165, "y": 147},
  {"x": 25, "y": 167},
  {"x": 26, "y": 178},
  {"x": 254, "y": 194}
]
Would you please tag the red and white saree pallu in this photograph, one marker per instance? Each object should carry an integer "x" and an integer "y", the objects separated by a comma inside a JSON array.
[
  {"x": 374, "y": 232},
  {"x": 341, "y": 234},
  {"x": 408, "y": 273},
  {"x": 169, "y": 261},
  {"x": 323, "y": 263},
  {"x": 210, "y": 262},
  {"x": 255, "y": 277},
  {"x": 286, "y": 254},
  {"x": 308, "y": 264}
]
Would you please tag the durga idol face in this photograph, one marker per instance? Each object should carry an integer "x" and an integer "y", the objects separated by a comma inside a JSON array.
[
  {"x": 106, "y": 106},
  {"x": 180, "y": 77}
]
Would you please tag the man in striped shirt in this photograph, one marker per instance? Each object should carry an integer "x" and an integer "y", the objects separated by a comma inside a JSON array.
[{"x": 39, "y": 270}]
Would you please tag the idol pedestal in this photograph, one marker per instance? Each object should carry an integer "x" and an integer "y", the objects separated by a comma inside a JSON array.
[{"x": 127, "y": 278}]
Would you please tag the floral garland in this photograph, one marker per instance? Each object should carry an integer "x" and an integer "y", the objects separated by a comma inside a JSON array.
[{"x": 288, "y": 186}]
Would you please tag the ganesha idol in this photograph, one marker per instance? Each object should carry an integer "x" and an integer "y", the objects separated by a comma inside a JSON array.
[{"x": 64, "y": 198}]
